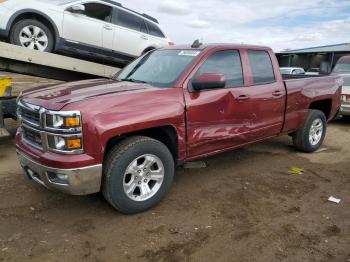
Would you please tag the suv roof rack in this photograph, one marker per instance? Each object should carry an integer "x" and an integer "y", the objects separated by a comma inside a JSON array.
[
  {"x": 150, "y": 18},
  {"x": 144, "y": 15},
  {"x": 196, "y": 44}
]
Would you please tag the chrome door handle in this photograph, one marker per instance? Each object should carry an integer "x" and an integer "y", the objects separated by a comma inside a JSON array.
[
  {"x": 144, "y": 37},
  {"x": 107, "y": 27}
]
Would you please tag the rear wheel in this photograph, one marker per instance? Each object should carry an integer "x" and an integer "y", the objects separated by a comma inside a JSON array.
[
  {"x": 32, "y": 34},
  {"x": 138, "y": 173},
  {"x": 310, "y": 137}
]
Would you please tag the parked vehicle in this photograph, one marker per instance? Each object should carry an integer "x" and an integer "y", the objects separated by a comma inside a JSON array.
[
  {"x": 342, "y": 68},
  {"x": 123, "y": 136},
  {"x": 92, "y": 28},
  {"x": 292, "y": 71},
  {"x": 313, "y": 71}
]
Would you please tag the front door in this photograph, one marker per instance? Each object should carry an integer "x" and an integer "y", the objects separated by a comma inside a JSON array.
[
  {"x": 218, "y": 118},
  {"x": 93, "y": 28}
]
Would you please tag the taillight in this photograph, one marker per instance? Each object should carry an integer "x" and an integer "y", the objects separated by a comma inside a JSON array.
[{"x": 170, "y": 43}]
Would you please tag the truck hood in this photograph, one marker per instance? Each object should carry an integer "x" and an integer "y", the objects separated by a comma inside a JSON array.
[{"x": 55, "y": 97}]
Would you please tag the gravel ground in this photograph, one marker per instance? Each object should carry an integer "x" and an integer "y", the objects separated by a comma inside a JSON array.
[{"x": 244, "y": 206}]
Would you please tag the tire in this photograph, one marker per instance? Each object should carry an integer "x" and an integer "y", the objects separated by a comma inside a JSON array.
[
  {"x": 32, "y": 34},
  {"x": 116, "y": 178},
  {"x": 303, "y": 139}
]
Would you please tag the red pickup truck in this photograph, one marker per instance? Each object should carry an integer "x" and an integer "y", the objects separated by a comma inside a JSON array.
[{"x": 124, "y": 136}]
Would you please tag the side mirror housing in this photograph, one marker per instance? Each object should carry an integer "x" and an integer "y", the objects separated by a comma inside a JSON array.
[
  {"x": 209, "y": 81},
  {"x": 77, "y": 9}
]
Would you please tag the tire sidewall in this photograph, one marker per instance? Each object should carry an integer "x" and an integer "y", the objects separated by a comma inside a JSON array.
[
  {"x": 315, "y": 115},
  {"x": 16, "y": 29},
  {"x": 117, "y": 195}
]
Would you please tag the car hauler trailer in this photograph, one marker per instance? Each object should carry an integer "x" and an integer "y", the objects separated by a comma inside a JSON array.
[{"x": 53, "y": 66}]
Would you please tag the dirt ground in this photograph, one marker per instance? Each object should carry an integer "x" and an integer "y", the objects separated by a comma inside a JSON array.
[{"x": 244, "y": 206}]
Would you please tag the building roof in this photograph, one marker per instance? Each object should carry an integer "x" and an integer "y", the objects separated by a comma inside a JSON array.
[{"x": 345, "y": 47}]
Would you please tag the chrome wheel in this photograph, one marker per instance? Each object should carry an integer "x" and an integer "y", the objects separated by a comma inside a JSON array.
[
  {"x": 33, "y": 37},
  {"x": 316, "y": 132},
  {"x": 143, "y": 177}
]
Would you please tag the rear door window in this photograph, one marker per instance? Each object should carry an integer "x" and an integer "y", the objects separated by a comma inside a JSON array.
[
  {"x": 154, "y": 30},
  {"x": 128, "y": 20},
  {"x": 261, "y": 65},
  {"x": 226, "y": 62}
]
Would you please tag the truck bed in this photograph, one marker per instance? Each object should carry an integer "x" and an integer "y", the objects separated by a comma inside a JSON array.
[{"x": 302, "y": 90}]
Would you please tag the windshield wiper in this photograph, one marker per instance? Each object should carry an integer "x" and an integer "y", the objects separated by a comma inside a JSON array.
[{"x": 134, "y": 80}]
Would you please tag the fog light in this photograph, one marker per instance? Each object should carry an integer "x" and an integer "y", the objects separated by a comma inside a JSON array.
[{"x": 62, "y": 177}]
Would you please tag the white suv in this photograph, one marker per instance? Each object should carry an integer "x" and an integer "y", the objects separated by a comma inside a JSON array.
[{"x": 98, "y": 28}]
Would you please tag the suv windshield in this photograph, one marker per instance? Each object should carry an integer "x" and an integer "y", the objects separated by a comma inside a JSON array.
[
  {"x": 160, "y": 68},
  {"x": 341, "y": 68}
]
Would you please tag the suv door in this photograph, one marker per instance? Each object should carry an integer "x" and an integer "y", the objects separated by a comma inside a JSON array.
[
  {"x": 90, "y": 29},
  {"x": 218, "y": 119},
  {"x": 131, "y": 33}
]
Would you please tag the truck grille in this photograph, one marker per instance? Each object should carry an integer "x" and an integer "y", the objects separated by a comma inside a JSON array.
[
  {"x": 29, "y": 113},
  {"x": 32, "y": 136}
]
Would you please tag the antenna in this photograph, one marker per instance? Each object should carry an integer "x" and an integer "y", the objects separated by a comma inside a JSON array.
[{"x": 196, "y": 44}]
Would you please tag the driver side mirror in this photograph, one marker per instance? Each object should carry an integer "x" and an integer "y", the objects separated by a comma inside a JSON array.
[
  {"x": 77, "y": 9},
  {"x": 209, "y": 81}
]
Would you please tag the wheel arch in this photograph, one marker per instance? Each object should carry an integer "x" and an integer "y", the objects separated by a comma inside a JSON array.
[
  {"x": 165, "y": 134},
  {"x": 324, "y": 105},
  {"x": 34, "y": 14}
]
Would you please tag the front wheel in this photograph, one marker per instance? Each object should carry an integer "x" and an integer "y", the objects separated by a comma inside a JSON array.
[
  {"x": 32, "y": 34},
  {"x": 310, "y": 137},
  {"x": 138, "y": 173}
]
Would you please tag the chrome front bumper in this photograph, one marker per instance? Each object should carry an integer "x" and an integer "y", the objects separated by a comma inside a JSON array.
[{"x": 77, "y": 181}]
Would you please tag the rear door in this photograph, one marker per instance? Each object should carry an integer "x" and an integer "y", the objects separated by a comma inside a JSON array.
[
  {"x": 219, "y": 118},
  {"x": 91, "y": 29},
  {"x": 156, "y": 36},
  {"x": 265, "y": 95},
  {"x": 131, "y": 33}
]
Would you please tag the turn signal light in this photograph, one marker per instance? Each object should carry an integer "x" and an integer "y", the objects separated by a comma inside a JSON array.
[
  {"x": 72, "y": 121},
  {"x": 73, "y": 143},
  {"x": 171, "y": 43}
]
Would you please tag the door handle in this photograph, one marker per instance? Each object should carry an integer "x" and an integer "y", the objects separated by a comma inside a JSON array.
[
  {"x": 277, "y": 93},
  {"x": 242, "y": 97},
  {"x": 144, "y": 37},
  {"x": 107, "y": 27}
]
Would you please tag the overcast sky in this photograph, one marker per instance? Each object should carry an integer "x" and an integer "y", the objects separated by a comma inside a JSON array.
[{"x": 280, "y": 24}]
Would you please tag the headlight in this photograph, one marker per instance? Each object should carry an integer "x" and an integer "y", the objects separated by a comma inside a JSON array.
[
  {"x": 63, "y": 120},
  {"x": 64, "y": 143}
]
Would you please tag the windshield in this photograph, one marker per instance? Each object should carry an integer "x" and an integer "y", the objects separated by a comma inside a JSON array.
[
  {"x": 160, "y": 68},
  {"x": 285, "y": 71},
  {"x": 341, "y": 68}
]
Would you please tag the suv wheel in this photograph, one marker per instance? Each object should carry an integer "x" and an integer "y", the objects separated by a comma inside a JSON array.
[
  {"x": 32, "y": 34},
  {"x": 138, "y": 172},
  {"x": 310, "y": 137}
]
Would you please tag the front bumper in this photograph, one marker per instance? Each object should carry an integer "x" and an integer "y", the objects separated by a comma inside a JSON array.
[{"x": 77, "y": 181}]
